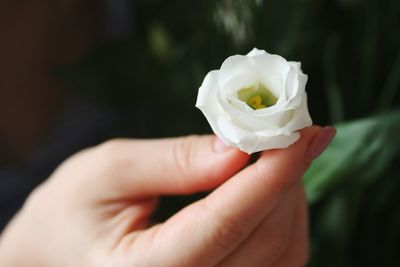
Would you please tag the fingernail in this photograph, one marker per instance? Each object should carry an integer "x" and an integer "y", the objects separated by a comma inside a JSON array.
[
  {"x": 321, "y": 142},
  {"x": 219, "y": 146}
]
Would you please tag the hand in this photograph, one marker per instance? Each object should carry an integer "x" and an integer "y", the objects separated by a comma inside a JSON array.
[{"x": 95, "y": 209}]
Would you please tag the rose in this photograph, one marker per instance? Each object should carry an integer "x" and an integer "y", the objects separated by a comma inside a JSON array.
[{"x": 256, "y": 101}]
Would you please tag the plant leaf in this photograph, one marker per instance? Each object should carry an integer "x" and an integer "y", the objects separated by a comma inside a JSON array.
[{"x": 361, "y": 151}]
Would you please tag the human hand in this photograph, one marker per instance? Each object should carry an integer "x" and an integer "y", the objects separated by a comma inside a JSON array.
[{"x": 95, "y": 209}]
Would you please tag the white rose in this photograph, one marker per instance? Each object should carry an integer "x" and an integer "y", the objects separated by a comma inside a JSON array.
[{"x": 256, "y": 101}]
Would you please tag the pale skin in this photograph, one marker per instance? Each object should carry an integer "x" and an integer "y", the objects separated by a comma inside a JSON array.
[{"x": 95, "y": 209}]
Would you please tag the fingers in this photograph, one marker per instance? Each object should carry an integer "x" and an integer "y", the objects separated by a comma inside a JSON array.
[
  {"x": 220, "y": 223},
  {"x": 297, "y": 251},
  {"x": 266, "y": 244},
  {"x": 144, "y": 168}
]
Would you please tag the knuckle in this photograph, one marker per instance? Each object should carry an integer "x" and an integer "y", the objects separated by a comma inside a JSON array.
[
  {"x": 282, "y": 185},
  {"x": 183, "y": 155},
  {"x": 227, "y": 232}
]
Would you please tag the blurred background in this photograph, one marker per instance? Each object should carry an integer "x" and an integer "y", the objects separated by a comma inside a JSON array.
[{"x": 75, "y": 73}]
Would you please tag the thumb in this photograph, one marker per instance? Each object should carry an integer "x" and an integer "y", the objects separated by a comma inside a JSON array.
[{"x": 184, "y": 165}]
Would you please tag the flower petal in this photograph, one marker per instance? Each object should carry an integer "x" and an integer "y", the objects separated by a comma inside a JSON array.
[
  {"x": 234, "y": 66},
  {"x": 207, "y": 101},
  {"x": 255, "y": 52},
  {"x": 272, "y": 70}
]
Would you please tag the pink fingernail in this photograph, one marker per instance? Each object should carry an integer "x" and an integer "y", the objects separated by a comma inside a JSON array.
[
  {"x": 321, "y": 142},
  {"x": 219, "y": 146}
]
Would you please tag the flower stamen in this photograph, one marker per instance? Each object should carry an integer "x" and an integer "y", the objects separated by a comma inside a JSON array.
[
  {"x": 255, "y": 102},
  {"x": 257, "y": 97}
]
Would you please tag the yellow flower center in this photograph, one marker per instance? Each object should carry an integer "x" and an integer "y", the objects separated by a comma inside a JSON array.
[
  {"x": 255, "y": 102},
  {"x": 257, "y": 96}
]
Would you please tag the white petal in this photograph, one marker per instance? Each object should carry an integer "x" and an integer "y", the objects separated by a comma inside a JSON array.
[
  {"x": 207, "y": 101},
  {"x": 250, "y": 142},
  {"x": 291, "y": 84},
  {"x": 301, "y": 119},
  {"x": 272, "y": 70},
  {"x": 234, "y": 66},
  {"x": 255, "y": 52},
  {"x": 296, "y": 65},
  {"x": 246, "y": 120},
  {"x": 232, "y": 133},
  {"x": 274, "y": 142},
  {"x": 301, "y": 116},
  {"x": 243, "y": 80}
]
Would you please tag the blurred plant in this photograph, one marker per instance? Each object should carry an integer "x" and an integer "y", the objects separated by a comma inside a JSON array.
[
  {"x": 345, "y": 188},
  {"x": 235, "y": 17},
  {"x": 351, "y": 51}
]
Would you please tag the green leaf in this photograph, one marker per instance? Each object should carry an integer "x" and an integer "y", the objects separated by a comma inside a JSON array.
[{"x": 361, "y": 151}]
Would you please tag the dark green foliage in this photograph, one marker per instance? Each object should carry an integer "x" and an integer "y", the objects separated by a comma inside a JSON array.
[{"x": 351, "y": 51}]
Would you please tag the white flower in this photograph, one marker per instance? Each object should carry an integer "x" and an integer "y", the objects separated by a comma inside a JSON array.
[{"x": 256, "y": 101}]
